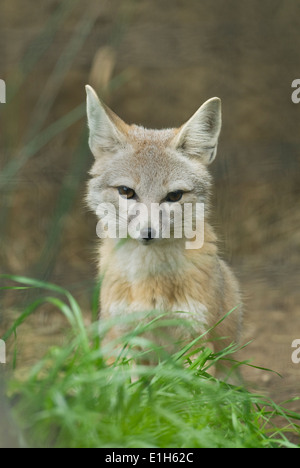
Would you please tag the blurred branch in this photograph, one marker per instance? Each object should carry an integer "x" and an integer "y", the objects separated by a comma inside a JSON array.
[{"x": 102, "y": 69}]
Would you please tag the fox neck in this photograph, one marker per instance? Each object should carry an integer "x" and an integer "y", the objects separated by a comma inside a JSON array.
[{"x": 160, "y": 257}]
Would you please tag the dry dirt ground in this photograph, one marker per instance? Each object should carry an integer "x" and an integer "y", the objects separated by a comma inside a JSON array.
[{"x": 170, "y": 61}]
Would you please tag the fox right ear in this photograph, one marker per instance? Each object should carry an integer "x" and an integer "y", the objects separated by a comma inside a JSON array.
[
  {"x": 107, "y": 130},
  {"x": 199, "y": 135}
]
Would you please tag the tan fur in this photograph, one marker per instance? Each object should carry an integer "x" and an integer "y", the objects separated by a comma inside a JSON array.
[{"x": 163, "y": 275}]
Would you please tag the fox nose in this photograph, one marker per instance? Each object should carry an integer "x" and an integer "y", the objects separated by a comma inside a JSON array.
[{"x": 148, "y": 234}]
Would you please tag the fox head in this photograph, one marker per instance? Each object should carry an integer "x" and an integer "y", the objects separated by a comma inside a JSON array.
[{"x": 138, "y": 169}]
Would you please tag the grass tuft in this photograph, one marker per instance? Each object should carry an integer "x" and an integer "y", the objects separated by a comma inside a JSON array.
[{"x": 73, "y": 397}]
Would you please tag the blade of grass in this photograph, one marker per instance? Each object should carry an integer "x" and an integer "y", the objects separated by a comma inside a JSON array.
[
  {"x": 72, "y": 313},
  {"x": 38, "y": 142},
  {"x": 39, "y": 46},
  {"x": 55, "y": 80},
  {"x": 186, "y": 348},
  {"x": 8, "y": 181},
  {"x": 65, "y": 200}
]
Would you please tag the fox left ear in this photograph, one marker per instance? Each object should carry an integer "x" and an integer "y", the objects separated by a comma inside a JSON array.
[
  {"x": 107, "y": 130},
  {"x": 199, "y": 135}
]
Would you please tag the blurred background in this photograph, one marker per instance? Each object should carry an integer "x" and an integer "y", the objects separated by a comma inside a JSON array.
[{"x": 154, "y": 63}]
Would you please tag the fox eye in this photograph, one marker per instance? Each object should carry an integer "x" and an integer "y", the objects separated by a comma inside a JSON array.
[
  {"x": 126, "y": 192},
  {"x": 174, "y": 196}
]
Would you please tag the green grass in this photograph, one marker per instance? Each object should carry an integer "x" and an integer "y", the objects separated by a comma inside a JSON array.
[{"x": 73, "y": 398}]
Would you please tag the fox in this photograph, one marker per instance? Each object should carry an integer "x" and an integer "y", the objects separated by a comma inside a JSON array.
[{"x": 149, "y": 271}]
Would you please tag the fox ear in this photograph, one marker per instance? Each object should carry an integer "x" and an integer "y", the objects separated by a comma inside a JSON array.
[
  {"x": 107, "y": 130},
  {"x": 199, "y": 135}
]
